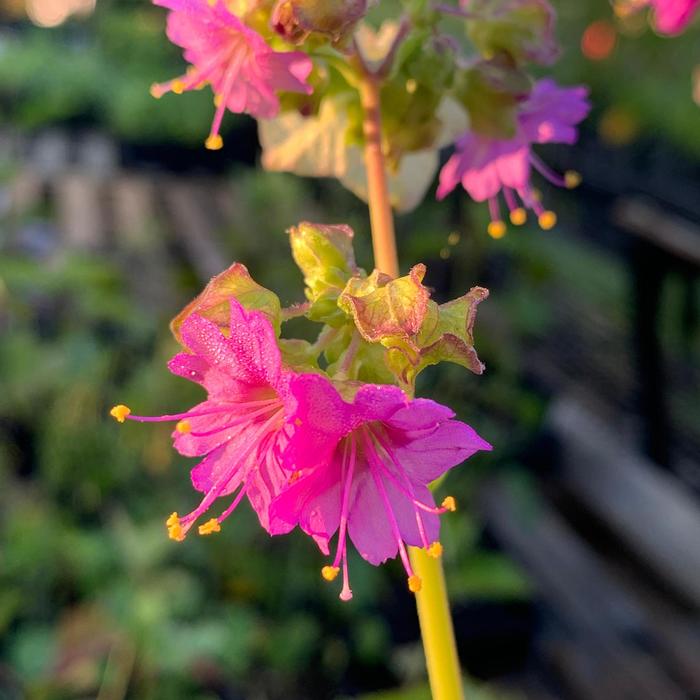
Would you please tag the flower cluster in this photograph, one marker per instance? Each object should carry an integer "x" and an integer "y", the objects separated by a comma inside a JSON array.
[
  {"x": 452, "y": 73},
  {"x": 327, "y": 435}
]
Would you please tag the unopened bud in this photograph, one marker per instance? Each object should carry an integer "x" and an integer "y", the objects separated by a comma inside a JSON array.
[{"x": 296, "y": 19}]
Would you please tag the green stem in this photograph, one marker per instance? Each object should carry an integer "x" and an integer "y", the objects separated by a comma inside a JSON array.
[{"x": 433, "y": 606}]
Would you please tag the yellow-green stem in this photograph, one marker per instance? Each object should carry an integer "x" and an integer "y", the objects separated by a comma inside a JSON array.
[{"x": 433, "y": 605}]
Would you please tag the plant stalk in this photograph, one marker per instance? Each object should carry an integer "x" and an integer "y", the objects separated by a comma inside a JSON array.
[{"x": 433, "y": 606}]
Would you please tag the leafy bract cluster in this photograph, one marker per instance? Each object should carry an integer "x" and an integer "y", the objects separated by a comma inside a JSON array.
[{"x": 373, "y": 328}]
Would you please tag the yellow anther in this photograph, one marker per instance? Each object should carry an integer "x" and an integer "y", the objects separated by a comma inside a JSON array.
[
  {"x": 435, "y": 550},
  {"x": 547, "y": 220},
  {"x": 294, "y": 477},
  {"x": 518, "y": 216},
  {"x": 411, "y": 86},
  {"x": 330, "y": 572},
  {"x": 214, "y": 143},
  {"x": 120, "y": 413},
  {"x": 453, "y": 238},
  {"x": 450, "y": 504},
  {"x": 177, "y": 86},
  {"x": 218, "y": 99},
  {"x": 496, "y": 229},
  {"x": 414, "y": 583},
  {"x": 184, "y": 426},
  {"x": 156, "y": 91},
  {"x": 210, "y": 527},
  {"x": 572, "y": 179},
  {"x": 175, "y": 531}
]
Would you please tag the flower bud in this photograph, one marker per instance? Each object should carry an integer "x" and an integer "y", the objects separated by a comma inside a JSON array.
[{"x": 296, "y": 19}]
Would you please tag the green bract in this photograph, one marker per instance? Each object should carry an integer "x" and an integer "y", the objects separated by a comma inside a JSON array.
[
  {"x": 213, "y": 302},
  {"x": 373, "y": 328}
]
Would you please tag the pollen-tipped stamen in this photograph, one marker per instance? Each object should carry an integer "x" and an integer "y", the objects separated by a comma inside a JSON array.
[
  {"x": 210, "y": 527},
  {"x": 346, "y": 592},
  {"x": 415, "y": 584},
  {"x": 551, "y": 175},
  {"x": 122, "y": 413},
  {"x": 496, "y": 227},
  {"x": 330, "y": 573},
  {"x": 449, "y": 503},
  {"x": 175, "y": 529},
  {"x": 214, "y": 141}
]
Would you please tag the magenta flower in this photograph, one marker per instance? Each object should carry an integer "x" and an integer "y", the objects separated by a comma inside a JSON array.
[
  {"x": 673, "y": 16},
  {"x": 486, "y": 166},
  {"x": 244, "y": 72},
  {"x": 366, "y": 475},
  {"x": 240, "y": 430}
]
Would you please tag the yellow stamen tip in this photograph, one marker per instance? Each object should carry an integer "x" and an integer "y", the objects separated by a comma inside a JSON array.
[
  {"x": 175, "y": 531},
  {"x": 210, "y": 527},
  {"x": 496, "y": 229},
  {"x": 547, "y": 220},
  {"x": 156, "y": 91},
  {"x": 214, "y": 143},
  {"x": 218, "y": 99},
  {"x": 178, "y": 87},
  {"x": 120, "y": 413},
  {"x": 330, "y": 572},
  {"x": 435, "y": 550},
  {"x": 518, "y": 216},
  {"x": 450, "y": 504},
  {"x": 414, "y": 583},
  {"x": 183, "y": 426},
  {"x": 411, "y": 86},
  {"x": 572, "y": 179}
]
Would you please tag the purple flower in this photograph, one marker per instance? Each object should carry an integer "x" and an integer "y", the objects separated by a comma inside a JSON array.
[
  {"x": 366, "y": 474},
  {"x": 244, "y": 72},
  {"x": 242, "y": 428},
  {"x": 486, "y": 166},
  {"x": 673, "y": 16}
]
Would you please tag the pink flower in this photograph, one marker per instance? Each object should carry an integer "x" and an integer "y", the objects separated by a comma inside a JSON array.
[
  {"x": 244, "y": 72},
  {"x": 486, "y": 166},
  {"x": 673, "y": 16},
  {"x": 241, "y": 429},
  {"x": 367, "y": 475}
]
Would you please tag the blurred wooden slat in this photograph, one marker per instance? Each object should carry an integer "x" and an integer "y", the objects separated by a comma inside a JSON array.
[
  {"x": 79, "y": 210},
  {"x": 192, "y": 226},
  {"x": 670, "y": 233},
  {"x": 139, "y": 242},
  {"x": 650, "y": 510},
  {"x": 597, "y": 611}
]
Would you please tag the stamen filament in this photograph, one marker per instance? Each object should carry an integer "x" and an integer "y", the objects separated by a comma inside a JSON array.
[
  {"x": 239, "y": 421},
  {"x": 347, "y": 485},
  {"x": 547, "y": 173},
  {"x": 221, "y": 483},
  {"x": 374, "y": 461}
]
